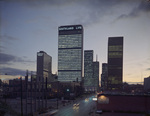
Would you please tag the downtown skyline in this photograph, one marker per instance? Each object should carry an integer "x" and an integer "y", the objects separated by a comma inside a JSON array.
[{"x": 31, "y": 26}]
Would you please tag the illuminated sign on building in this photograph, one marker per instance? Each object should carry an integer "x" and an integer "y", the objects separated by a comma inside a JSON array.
[
  {"x": 40, "y": 54},
  {"x": 70, "y": 28}
]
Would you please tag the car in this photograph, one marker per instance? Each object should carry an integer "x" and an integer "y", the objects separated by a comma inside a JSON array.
[
  {"x": 77, "y": 104},
  {"x": 74, "y": 105},
  {"x": 99, "y": 111}
]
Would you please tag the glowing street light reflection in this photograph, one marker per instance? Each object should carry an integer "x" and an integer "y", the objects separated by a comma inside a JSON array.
[
  {"x": 86, "y": 100},
  {"x": 76, "y": 107},
  {"x": 103, "y": 99}
]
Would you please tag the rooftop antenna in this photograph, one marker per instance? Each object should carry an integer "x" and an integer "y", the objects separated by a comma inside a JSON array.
[{"x": 96, "y": 57}]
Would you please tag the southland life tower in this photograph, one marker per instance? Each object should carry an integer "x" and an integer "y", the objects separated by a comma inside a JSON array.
[{"x": 70, "y": 53}]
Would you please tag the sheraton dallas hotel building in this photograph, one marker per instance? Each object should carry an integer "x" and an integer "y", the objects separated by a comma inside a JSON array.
[{"x": 70, "y": 53}]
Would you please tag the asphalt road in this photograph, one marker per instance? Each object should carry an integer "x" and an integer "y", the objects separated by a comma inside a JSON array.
[
  {"x": 87, "y": 107},
  {"x": 83, "y": 107}
]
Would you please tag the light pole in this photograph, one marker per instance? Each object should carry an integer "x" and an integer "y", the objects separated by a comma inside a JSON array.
[
  {"x": 21, "y": 97},
  {"x": 57, "y": 92}
]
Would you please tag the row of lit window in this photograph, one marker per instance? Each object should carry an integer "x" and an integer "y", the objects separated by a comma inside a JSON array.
[
  {"x": 68, "y": 66},
  {"x": 69, "y": 75},
  {"x": 68, "y": 41},
  {"x": 69, "y": 59},
  {"x": 68, "y": 44},
  {"x": 115, "y": 48},
  {"x": 114, "y": 80},
  {"x": 115, "y": 54},
  {"x": 69, "y": 51},
  {"x": 90, "y": 82}
]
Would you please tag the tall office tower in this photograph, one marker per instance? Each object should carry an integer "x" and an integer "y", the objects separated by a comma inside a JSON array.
[
  {"x": 104, "y": 76},
  {"x": 88, "y": 69},
  {"x": 96, "y": 75},
  {"x": 70, "y": 53},
  {"x": 115, "y": 63},
  {"x": 44, "y": 65}
]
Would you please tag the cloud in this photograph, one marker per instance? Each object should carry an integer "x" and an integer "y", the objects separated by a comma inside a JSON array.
[
  {"x": 7, "y": 59},
  {"x": 143, "y": 7},
  {"x": 93, "y": 11},
  {"x": 83, "y": 12},
  {"x": 12, "y": 71},
  {"x": 148, "y": 69},
  {"x": 7, "y": 72},
  {"x": 2, "y": 48},
  {"x": 5, "y": 39}
]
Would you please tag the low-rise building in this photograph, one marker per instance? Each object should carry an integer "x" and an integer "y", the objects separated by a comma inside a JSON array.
[{"x": 147, "y": 84}]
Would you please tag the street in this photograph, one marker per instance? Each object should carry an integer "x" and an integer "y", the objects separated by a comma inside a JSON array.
[
  {"x": 83, "y": 107},
  {"x": 87, "y": 107}
]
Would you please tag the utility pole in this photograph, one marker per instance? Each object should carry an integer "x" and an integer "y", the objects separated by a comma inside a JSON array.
[
  {"x": 46, "y": 94},
  {"x": 31, "y": 91},
  {"x": 26, "y": 78},
  {"x": 57, "y": 93},
  {"x": 35, "y": 96},
  {"x": 39, "y": 93},
  {"x": 42, "y": 91},
  {"x": 21, "y": 96}
]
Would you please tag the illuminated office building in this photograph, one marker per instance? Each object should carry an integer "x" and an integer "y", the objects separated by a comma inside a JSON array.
[
  {"x": 44, "y": 65},
  {"x": 70, "y": 53},
  {"x": 88, "y": 69},
  {"x": 91, "y": 72},
  {"x": 96, "y": 75},
  {"x": 115, "y": 63}
]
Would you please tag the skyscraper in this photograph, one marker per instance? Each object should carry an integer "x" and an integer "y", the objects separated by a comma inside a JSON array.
[
  {"x": 115, "y": 63},
  {"x": 88, "y": 69},
  {"x": 70, "y": 53},
  {"x": 44, "y": 65},
  {"x": 96, "y": 75},
  {"x": 91, "y": 72},
  {"x": 104, "y": 76}
]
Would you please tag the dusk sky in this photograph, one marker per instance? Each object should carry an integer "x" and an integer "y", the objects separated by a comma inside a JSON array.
[{"x": 30, "y": 26}]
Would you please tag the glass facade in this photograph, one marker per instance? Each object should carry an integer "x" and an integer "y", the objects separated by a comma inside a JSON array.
[
  {"x": 70, "y": 53},
  {"x": 104, "y": 76},
  {"x": 88, "y": 67},
  {"x": 91, "y": 72},
  {"x": 44, "y": 65},
  {"x": 96, "y": 73},
  {"x": 115, "y": 63}
]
